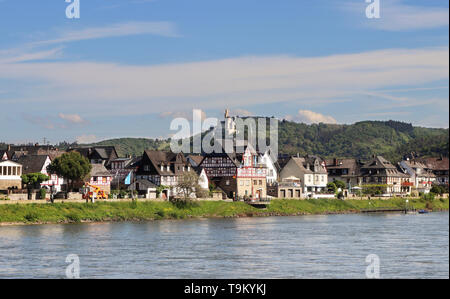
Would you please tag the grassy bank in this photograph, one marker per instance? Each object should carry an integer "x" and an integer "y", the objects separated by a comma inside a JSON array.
[{"x": 138, "y": 211}]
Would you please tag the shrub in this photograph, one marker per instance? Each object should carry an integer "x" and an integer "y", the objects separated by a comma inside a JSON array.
[
  {"x": 42, "y": 193},
  {"x": 31, "y": 217},
  {"x": 72, "y": 217},
  {"x": 428, "y": 197}
]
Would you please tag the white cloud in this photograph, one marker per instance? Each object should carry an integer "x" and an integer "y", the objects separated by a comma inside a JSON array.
[
  {"x": 181, "y": 114},
  {"x": 397, "y": 16},
  {"x": 72, "y": 118},
  {"x": 21, "y": 55},
  {"x": 86, "y": 139},
  {"x": 309, "y": 117},
  {"x": 115, "y": 89}
]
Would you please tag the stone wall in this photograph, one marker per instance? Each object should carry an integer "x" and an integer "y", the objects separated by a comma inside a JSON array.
[{"x": 5, "y": 184}]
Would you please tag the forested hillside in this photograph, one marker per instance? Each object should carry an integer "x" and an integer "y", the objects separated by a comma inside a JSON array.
[{"x": 391, "y": 139}]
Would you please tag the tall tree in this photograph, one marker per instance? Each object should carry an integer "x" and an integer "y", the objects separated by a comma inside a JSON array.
[
  {"x": 188, "y": 184},
  {"x": 72, "y": 166}
]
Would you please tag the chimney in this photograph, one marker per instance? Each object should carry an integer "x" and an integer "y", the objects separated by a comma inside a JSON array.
[{"x": 335, "y": 161}]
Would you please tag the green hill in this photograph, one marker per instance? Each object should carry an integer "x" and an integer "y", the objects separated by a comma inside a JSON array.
[
  {"x": 391, "y": 139},
  {"x": 361, "y": 140}
]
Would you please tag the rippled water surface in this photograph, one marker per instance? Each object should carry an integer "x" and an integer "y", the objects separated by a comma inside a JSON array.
[{"x": 409, "y": 246}]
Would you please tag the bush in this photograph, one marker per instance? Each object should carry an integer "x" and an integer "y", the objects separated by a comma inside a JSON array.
[
  {"x": 72, "y": 217},
  {"x": 42, "y": 193},
  {"x": 428, "y": 197},
  {"x": 31, "y": 217},
  {"x": 439, "y": 189}
]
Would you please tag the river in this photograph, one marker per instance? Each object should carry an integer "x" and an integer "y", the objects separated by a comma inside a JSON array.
[{"x": 332, "y": 246}]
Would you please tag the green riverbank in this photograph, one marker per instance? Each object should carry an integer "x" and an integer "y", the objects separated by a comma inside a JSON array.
[{"x": 140, "y": 211}]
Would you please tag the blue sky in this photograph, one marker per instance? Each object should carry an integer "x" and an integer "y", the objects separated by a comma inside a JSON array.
[{"x": 127, "y": 68}]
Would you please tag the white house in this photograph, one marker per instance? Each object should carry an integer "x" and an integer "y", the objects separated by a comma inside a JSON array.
[
  {"x": 271, "y": 170},
  {"x": 39, "y": 164},
  {"x": 420, "y": 175},
  {"x": 10, "y": 173},
  {"x": 310, "y": 171}
]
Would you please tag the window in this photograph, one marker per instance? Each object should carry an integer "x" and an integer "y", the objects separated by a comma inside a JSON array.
[{"x": 260, "y": 182}]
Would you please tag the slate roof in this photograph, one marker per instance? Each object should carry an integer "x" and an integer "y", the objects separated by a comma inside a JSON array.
[
  {"x": 32, "y": 163},
  {"x": 441, "y": 164},
  {"x": 383, "y": 167},
  {"x": 351, "y": 164},
  {"x": 99, "y": 170},
  {"x": 196, "y": 158}
]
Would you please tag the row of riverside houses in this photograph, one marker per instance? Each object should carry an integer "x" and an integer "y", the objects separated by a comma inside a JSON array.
[
  {"x": 25, "y": 159},
  {"x": 249, "y": 175}
]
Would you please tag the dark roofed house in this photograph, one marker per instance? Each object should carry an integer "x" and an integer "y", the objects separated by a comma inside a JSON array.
[
  {"x": 98, "y": 154},
  {"x": 195, "y": 160},
  {"x": 379, "y": 171},
  {"x": 309, "y": 171},
  {"x": 17, "y": 151},
  {"x": 163, "y": 168},
  {"x": 345, "y": 170},
  {"x": 440, "y": 168},
  {"x": 38, "y": 164},
  {"x": 121, "y": 168}
]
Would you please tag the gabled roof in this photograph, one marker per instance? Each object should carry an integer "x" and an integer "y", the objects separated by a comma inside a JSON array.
[
  {"x": 351, "y": 164},
  {"x": 379, "y": 162},
  {"x": 436, "y": 163},
  {"x": 32, "y": 163},
  {"x": 197, "y": 159},
  {"x": 104, "y": 152},
  {"x": 158, "y": 158},
  {"x": 99, "y": 170},
  {"x": 300, "y": 163},
  {"x": 3, "y": 153}
]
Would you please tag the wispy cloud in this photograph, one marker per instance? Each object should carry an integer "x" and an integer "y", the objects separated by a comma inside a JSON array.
[
  {"x": 229, "y": 82},
  {"x": 72, "y": 118},
  {"x": 396, "y": 15},
  {"x": 166, "y": 29}
]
